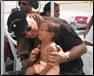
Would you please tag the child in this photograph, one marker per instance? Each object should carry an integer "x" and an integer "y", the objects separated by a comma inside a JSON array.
[{"x": 48, "y": 32}]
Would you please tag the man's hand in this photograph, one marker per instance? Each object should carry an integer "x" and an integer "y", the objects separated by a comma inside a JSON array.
[
  {"x": 34, "y": 53},
  {"x": 57, "y": 57}
]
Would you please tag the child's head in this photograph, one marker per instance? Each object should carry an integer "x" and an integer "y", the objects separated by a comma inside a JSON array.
[{"x": 49, "y": 30}]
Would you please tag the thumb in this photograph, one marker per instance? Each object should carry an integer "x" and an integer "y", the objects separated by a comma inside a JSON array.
[{"x": 58, "y": 48}]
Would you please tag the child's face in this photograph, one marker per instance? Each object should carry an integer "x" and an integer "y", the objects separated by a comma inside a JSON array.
[{"x": 43, "y": 34}]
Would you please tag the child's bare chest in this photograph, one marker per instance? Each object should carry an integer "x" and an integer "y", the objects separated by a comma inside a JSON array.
[{"x": 44, "y": 54}]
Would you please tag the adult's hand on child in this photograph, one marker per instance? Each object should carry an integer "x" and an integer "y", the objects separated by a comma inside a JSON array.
[
  {"x": 57, "y": 57},
  {"x": 34, "y": 53}
]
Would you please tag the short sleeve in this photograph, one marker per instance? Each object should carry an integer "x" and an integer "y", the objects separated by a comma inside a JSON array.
[{"x": 68, "y": 37}]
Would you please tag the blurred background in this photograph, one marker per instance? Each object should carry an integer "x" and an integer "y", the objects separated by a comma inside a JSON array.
[{"x": 69, "y": 10}]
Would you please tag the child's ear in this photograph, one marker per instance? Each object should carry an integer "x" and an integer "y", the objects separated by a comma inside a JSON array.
[{"x": 52, "y": 34}]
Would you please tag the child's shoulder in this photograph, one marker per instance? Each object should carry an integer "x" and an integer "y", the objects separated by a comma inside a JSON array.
[{"x": 52, "y": 47}]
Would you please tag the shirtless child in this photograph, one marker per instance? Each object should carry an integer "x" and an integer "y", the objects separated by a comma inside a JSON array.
[{"x": 48, "y": 32}]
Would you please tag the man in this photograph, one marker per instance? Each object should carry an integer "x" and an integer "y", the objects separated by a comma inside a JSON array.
[
  {"x": 69, "y": 60},
  {"x": 70, "y": 42},
  {"x": 25, "y": 45}
]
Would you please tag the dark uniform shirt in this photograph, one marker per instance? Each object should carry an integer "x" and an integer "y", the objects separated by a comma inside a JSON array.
[
  {"x": 67, "y": 40},
  {"x": 31, "y": 42}
]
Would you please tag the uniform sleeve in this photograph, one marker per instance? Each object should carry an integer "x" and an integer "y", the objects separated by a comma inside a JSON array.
[{"x": 69, "y": 37}]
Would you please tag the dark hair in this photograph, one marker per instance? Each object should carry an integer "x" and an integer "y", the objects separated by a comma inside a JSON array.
[
  {"x": 53, "y": 27},
  {"x": 48, "y": 8}
]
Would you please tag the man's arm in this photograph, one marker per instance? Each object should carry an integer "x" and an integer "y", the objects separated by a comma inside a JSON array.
[
  {"x": 75, "y": 52},
  {"x": 80, "y": 50}
]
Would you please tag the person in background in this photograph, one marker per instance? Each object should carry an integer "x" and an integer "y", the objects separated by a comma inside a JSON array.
[
  {"x": 25, "y": 6},
  {"x": 89, "y": 33},
  {"x": 47, "y": 10},
  {"x": 48, "y": 33},
  {"x": 89, "y": 37},
  {"x": 90, "y": 23}
]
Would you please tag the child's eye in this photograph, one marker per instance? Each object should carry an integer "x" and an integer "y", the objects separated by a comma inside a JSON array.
[{"x": 41, "y": 30}]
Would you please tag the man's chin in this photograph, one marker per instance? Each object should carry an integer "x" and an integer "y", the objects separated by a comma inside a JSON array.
[{"x": 32, "y": 37}]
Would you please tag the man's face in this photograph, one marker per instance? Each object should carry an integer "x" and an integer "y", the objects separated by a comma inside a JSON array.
[
  {"x": 34, "y": 29},
  {"x": 25, "y": 6}
]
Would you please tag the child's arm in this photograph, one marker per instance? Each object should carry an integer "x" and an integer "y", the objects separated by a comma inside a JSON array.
[
  {"x": 34, "y": 53},
  {"x": 48, "y": 67}
]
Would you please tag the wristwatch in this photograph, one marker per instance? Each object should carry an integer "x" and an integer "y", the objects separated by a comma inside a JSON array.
[{"x": 67, "y": 57}]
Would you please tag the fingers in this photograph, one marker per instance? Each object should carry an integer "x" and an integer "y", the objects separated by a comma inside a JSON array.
[
  {"x": 36, "y": 50},
  {"x": 52, "y": 63},
  {"x": 52, "y": 60},
  {"x": 33, "y": 58},
  {"x": 52, "y": 57},
  {"x": 38, "y": 46},
  {"x": 53, "y": 54},
  {"x": 58, "y": 48},
  {"x": 55, "y": 58},
  {"x": 34, "y": 53}
]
